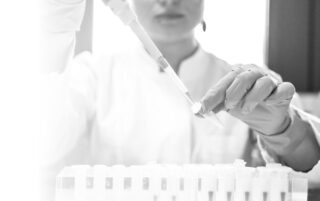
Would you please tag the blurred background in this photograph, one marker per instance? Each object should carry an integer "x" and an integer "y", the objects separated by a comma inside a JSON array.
[{"x": 284, "y": 35}]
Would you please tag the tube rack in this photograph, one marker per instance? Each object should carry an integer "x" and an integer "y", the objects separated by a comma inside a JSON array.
[{"x": 190, "y": 182}]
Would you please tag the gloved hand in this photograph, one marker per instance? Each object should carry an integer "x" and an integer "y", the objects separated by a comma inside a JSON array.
[
  {"x": 105, "y": 2},
  {"x": 254, "y": 95}
]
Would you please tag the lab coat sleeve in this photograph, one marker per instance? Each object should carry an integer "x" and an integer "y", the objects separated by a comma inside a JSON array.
[
  {"x": 298, "y": 147},
  {"x": 69, "y": 109},
  {"x": 68, "y": 86},
  {"x": 69, "y": 82},
  {"x": 68, "y": 114},
  {"x": 60, "y": 21}
]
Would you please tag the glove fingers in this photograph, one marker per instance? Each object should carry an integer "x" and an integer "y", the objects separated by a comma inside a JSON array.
[
  {"x": 216, "y": 95},
  {"x": 262, "y": 89},
  {"x": 282, "y": 94},
  {"x": 241, "y": 86}
]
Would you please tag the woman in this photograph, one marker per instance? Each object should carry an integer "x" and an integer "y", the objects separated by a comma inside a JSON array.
[{"x": 122, "y": 108}]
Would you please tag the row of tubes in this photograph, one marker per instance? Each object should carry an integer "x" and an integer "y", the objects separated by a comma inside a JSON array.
[{"x": 192, "y": 182}]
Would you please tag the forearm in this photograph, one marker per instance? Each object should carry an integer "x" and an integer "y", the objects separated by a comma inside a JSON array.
[
  {"x": 305, "y": 155},
  {"x": 297, "y": 147}
]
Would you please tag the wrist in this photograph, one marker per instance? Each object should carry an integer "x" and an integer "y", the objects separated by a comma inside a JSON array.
[
  {"x": 278, "y": 127},
  {"x": 286, "y": 141},
  {"x": 284, "y": 126}
]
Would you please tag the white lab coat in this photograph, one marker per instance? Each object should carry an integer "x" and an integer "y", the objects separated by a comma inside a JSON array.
[
  {"x": 132, "y": 113},
  {"x": 120, "y": 108}
]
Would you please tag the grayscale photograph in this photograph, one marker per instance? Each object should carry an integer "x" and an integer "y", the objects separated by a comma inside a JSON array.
[{"x": 174, "y": 100}]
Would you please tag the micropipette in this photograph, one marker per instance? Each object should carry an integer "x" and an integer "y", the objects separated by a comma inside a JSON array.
[{"x": 122, "y": 9}]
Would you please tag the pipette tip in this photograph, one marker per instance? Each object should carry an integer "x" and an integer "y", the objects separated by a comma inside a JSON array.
[{"x": 196, "y": 109}]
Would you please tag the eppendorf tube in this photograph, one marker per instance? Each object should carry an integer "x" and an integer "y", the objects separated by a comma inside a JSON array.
[
  {"x": 99, "y": 175},
  {"x": 119, "y": 175},
  {"x": 207, "y": 188},
  {"x": 298, "y": 188},
  {"x": 122, "y": 9},
  {"x": 173, "y": 174},
  {"x": 226, "y": 182},
  {"x": 190, "y": 182},
  {"x": 152, "y": 174},
  {"x": 280, "y": 182},
  {"x": 137, "y": 190},
  {"x": 65, "y": 185},
  {"x": 262, "y": 184},
  {"x": 81, "y": 173},
  {"x": 243, "y": 182}
]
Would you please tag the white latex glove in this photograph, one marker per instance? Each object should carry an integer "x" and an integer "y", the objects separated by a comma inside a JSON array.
[
  {"x": 253, "y": 95},
  {"x": 105, "y": 2}
]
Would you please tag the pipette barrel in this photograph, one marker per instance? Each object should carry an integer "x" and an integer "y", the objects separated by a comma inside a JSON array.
[
  {"x": 124, "y": 12},
  {"x": 122, "y": 9},
  {"x": 156, "y": 54},
  {"x": 163, "y": 63}
]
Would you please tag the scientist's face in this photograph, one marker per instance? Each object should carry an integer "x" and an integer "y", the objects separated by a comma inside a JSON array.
[{"x": 169, "y": 19}]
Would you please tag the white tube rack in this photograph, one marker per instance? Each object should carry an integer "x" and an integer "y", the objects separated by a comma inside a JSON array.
[{"x": 191, "y": 182}]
